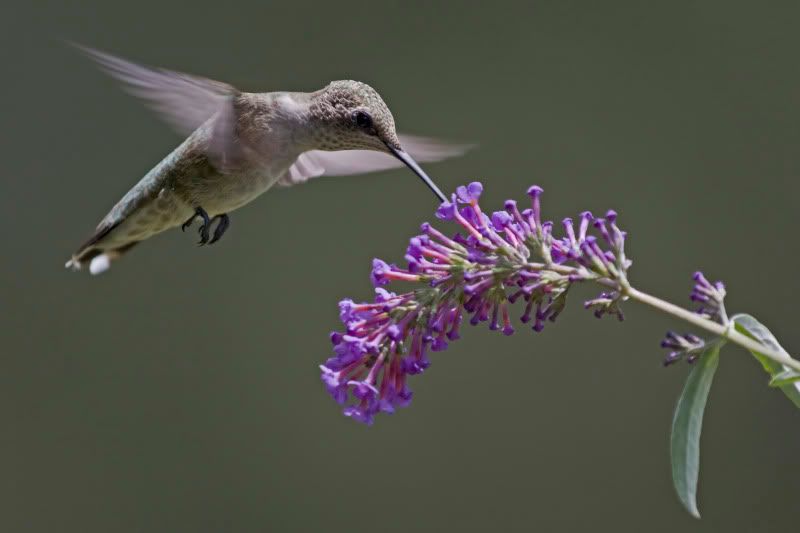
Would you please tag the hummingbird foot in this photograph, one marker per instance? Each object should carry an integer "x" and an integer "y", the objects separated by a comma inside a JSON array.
[{"x": 223, "y": 221}]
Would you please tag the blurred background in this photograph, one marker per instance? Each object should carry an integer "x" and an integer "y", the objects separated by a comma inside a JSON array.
[{"x": 180, "y": 392}]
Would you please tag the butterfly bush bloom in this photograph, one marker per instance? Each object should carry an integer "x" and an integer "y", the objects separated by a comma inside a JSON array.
[
  {"x": 494, "y": 262},
  {"x": 513, "y": 263}
]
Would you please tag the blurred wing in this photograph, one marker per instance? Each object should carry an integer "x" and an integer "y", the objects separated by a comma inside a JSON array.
[
  {"x": 184, "y": 101},
  {"x": 315, "y": 163}
]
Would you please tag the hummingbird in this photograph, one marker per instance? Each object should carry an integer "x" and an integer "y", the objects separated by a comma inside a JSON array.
[{"x": 240, "y": 145}]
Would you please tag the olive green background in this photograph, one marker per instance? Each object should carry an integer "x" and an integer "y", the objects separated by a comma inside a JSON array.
[{"x": 180, "y": 391}]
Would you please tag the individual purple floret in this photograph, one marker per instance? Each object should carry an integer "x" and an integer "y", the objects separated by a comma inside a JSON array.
[{"x": 479, "y": 273}]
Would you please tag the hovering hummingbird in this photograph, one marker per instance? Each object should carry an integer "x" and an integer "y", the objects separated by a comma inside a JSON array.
[{"x": 240, "y": 145}]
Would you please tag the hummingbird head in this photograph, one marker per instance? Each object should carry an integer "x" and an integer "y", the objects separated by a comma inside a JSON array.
[{"x": 351, "y": 115}]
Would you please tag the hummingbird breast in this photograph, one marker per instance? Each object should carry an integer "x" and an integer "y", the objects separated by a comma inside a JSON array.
[{"x": 223, "y": 192}]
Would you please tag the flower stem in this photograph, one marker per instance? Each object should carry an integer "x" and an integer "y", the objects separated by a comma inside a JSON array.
[{"x": 725, "y": 331}]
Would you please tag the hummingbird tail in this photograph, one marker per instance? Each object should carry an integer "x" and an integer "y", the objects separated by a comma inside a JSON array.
[{"x": 98, "y": 260}]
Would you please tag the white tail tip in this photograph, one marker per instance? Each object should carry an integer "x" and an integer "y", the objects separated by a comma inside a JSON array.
[{"x": 99, "y": 264}]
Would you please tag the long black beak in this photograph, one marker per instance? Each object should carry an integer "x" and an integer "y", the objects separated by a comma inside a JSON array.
[{"x": 410, "y": 163}]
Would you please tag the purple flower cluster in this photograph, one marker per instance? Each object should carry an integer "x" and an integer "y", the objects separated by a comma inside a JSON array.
[
  {"x": 493, "y": 262},
  {"x": 711, "y": 297},
  {"x": 679, "y": 345}
]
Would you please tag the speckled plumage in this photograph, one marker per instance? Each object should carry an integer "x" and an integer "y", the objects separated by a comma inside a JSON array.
[
  {"x": 330, "y": 110},
  {"x": 241, "y": 144}
]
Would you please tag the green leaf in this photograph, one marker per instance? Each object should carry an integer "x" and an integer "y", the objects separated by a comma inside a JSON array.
[
  {"x": 686, "y": 426},
  {"x": 754, "y": 329},
  {"x": 784, "y": 378}
]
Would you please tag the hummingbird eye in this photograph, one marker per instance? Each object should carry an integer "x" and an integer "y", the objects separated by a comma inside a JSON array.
[{"x": 362, "y": 119}]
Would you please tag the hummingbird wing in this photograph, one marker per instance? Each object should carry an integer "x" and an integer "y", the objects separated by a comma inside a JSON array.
[
  {"x": 183, "y": 100},
  {"x": 315, "y": 163}
]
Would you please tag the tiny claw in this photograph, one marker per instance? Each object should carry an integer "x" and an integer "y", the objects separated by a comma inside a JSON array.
[
  {"x": 199, "y": 212},
  {"x": 222, "y": 227},
  {"x": 204, "y": 234}
]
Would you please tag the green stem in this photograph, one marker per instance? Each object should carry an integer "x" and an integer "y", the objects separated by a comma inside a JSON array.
[{"x": 725, "y": 331}]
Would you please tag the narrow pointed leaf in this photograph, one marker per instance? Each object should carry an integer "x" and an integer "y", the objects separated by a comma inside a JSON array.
[
  {"x": 786, "y": 377},
  {"x": 754, "y": 329},
  {"x": 687, "y": 425}
]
